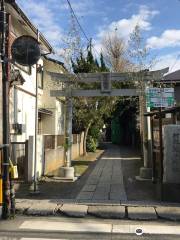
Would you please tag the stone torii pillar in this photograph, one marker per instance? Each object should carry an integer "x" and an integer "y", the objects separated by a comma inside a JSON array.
[{"x": 68, "y": 170}]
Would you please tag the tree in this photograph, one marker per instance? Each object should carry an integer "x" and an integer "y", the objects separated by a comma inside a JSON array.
[
  {"x": 71, "y": 43},
  {"x": 114, "y": 50},
  {"x": 140, "y": 56},
  {"x": 103, "y": 67},
  {"x": 89, "y": 111}
]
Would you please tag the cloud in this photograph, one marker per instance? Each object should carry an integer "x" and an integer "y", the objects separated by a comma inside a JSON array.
[
  {"x": 169, "y": 38},
  {"x": 168, "y": 60},
  {"x": 126, "y": 26},
  {"x": 82, "y": 7},
  {"x": 43, "y": 16}
]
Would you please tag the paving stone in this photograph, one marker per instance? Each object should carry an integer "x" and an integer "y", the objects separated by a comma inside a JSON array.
[
  {"x": 170, "y": 213},
  {"x": 43, "y": 208},
  {"x": 100, "y": 196},
  {"x": 142, "y": 213},
  {"x": 64, "y": 200},
  {"x": 73, "y": 210},
  {"x": 118, "y": 195},
  {"x": 116, "y": 187},
  {"x": 92, "y": 182},
  {"x": 105, "y": 202},
  {"x": 85, "y": 196},
  {"x": 89, "y": 188},
  {"x": 102, "y": 189},
  {"x": 117, "y": 212}
]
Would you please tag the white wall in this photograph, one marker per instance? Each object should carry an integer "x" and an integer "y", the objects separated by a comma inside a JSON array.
[
  {"x": 31, "y": 157},
  {"x": 53, "y": 124},
  {"x": 24, "y": 114}
]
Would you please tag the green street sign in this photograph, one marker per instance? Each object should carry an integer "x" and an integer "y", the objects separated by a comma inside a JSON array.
[{"x": 160, "y": 97}]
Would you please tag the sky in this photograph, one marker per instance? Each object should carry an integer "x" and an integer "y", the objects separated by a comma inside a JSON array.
[{"x": 159, "y": 21}]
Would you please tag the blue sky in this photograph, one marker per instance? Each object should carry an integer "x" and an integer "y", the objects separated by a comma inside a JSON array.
[{"x": 159, "y": 21}]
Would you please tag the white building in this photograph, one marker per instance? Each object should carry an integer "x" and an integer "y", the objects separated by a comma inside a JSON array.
[{"x": 23, "y": 98}]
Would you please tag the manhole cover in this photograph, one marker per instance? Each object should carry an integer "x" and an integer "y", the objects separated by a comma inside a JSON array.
[{"x": 139, "y": 231}]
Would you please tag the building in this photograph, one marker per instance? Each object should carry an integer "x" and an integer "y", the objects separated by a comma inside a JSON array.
[
  {"x": 22, "y": 96},
  {"x": 173, "y": 80}
]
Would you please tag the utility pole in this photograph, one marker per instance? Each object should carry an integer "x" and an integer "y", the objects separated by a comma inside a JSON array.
[
  {"x": 5, "y": 112},
  {"x": 35, "y": 185}
]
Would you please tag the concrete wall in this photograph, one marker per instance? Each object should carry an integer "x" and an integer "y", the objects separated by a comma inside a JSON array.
[
  {"x": 54, "y": 158},
  {"x": 40, "y": 157},
  {"x": 50, "y": 160},
  {"x": 77, "y": 146}
]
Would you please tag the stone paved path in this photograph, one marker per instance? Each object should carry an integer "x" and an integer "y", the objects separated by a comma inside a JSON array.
[{"x": 105, "y": 183}]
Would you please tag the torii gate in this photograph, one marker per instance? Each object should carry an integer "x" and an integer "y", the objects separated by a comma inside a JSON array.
[{"x": 106, "y": 80}]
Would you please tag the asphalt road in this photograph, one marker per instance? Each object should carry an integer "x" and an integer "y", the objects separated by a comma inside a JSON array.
[
  {"x": 62, "y": 228},
  {"x": 80, "y": 236}
]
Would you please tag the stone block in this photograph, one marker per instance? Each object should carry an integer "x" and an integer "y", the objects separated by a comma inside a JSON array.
[
  {"x": 22, "y": 205},
  {"x": 42, "y": 208},
  {"x": 170, "y": 213},
  {"x": 73, "y": 210},
  {"x": 171, "y": 154},
  {"x": 117, "y": 212},
  {"x": 142, "y": 213}
]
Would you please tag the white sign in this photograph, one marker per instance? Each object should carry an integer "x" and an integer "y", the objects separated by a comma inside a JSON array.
[{"x": 160, "y": 97}]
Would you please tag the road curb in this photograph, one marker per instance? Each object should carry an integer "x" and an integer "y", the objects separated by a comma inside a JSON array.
[{"x": 108, "y": 211}]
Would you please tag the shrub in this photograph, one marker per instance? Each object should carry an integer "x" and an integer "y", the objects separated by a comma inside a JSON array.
[{"x": 91, "y": 144}]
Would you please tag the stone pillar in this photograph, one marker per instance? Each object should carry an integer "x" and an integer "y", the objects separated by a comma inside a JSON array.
[
  {"x": 68, "y": 170},
  {"x": 171, "y": 154},
  {"x": 146, "y": 170}
]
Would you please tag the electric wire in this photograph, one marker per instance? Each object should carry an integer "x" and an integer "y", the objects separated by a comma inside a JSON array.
[
  {"x": 80, "y": 26},
  {"x": 175, "y": 62}
]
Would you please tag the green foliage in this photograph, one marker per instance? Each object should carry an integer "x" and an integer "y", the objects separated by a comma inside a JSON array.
[
  {"x": 94, "y": 136},
  {"x": 94, "y": 131},
  {"x": 91, "y": 144},
  {"x": 89, "y": 111},
  {"x": 102, "y": 64}
]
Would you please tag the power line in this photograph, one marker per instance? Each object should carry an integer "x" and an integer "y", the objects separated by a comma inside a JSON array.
[
  {"x": 78, "y": 21},
  {"x": 81, "y": 28},
  {"x": 175, "y": 61}
]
